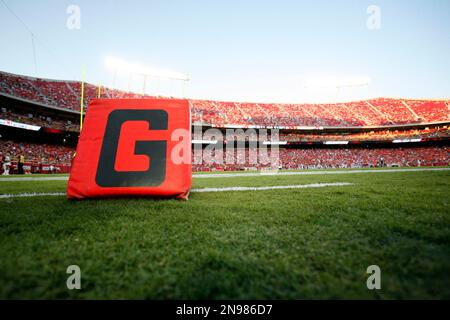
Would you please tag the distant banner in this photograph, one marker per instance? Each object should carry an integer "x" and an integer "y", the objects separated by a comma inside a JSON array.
[
  {"x": 406, "y": 140},
  {"x": 19, "y": 125}
]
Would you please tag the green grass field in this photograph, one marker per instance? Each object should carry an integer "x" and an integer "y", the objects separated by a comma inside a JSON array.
[{"x": 279, "y": 244}]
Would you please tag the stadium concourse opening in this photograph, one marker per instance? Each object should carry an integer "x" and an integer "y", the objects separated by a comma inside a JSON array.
[{"x": 39, "y": 120}]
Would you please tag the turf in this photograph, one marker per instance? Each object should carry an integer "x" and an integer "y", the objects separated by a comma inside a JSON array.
[{"x": 279, "y": 244}]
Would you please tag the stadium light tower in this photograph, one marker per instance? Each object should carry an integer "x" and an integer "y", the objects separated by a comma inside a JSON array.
[
  {"x": 116, "y": 64},
  {"x": 337, "y": 83}
]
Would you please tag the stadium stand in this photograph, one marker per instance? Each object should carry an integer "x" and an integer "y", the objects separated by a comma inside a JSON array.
[
  {"x": 38, "y": 120},
  {"x": 374, "y": 112},
  {"x": 322, "y": 158},
  {"x": 33, "y": 152},
  {"x": 310, "y": 158},
  {"x": 46, "y": 158},
  {"x": 304, "y": 127},
  {"x": 360, "y": 158},
  {"x": 381, "y": 135}
]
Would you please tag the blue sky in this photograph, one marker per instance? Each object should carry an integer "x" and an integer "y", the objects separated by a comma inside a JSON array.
[{"x": 238, "y": 50}]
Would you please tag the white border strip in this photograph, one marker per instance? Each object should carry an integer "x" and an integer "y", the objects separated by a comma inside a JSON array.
[
  {"x": 319, "y": 172},
  {"x": 31, "y": 194},
  {"x": 15, "y": 179},
  {"x": 295, "y": 186},
  {"x": 256, "y": 174}
]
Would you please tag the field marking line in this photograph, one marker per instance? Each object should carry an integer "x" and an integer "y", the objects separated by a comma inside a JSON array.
[
  {"x": 34, "y": 179},
  {"x": 294, "y": 173},
  {"x": 259, "y": 174},
  {"x": 31, "y": 194},
  {"x": 294, "y": 186},
  {"x": 199, "y": 190}
]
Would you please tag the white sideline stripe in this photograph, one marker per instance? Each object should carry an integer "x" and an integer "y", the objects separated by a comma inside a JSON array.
[
  {"x": 259, "y": 174},
  {"x": 295, "y": 173},
  {"x": 34, "y": 179},
  {"x": 31, "y": 194},
  {"x": 295, "y": 186}
]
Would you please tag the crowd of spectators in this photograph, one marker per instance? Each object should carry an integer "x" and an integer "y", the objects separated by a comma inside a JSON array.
[
  {"x": 206, "y": 160},
  {"x": 219, "y": 114},
  {"x": 38, "y": 120},
  {"x": 373, "y": 112},
  {"x": 266, "y": 135},
  {"x": 364, "y": 157},
  {"x": 37, "y": 153},
  {"x": 319, "y": 158},
  {"x": 438, "y": 132},
  {"x": 57, "y": 93}
]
